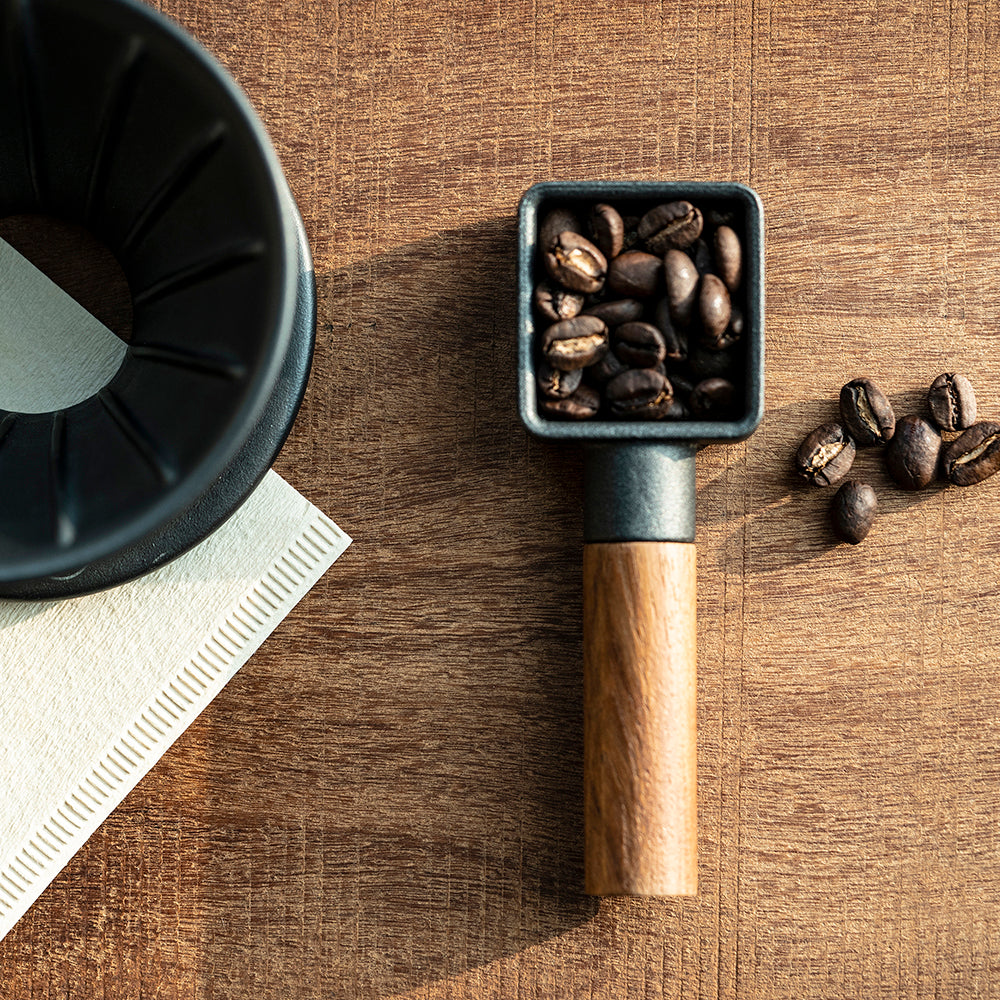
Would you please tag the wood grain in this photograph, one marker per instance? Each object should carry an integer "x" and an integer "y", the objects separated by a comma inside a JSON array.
[
  {"x": 387, "y": 801},
  {"x": 640, "y": 719}
]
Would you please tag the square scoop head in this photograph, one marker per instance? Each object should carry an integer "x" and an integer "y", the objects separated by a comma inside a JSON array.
[{"x": 637, "y": 197}]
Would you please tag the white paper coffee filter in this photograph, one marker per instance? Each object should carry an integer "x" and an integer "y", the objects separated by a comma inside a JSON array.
[{"x": 95, "y": 689}]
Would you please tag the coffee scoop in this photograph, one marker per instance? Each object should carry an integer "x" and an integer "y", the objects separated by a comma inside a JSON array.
[{"x": 639, "y": 566}]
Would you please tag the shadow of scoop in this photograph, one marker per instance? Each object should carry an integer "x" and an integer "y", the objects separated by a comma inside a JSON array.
[{"x": 430, "y": 787}]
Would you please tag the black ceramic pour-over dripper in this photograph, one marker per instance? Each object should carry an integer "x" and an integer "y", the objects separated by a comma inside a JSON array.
[
  {"x": 112, "y": 117},
  {"x": 639, "y": 567}
]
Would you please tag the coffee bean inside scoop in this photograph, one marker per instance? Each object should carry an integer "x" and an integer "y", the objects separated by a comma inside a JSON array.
[
  {"x": 640, "y": 393},
  {"x": 729, "y": 257},
  {"x": 682, "y": 286},
  {"x": 715, "y": 309},
  {"x": 554, "y": 302},
  {"x": 675, "y": 225},
  {"x": 617, "y": 311},
  {"x": 582, "y": 405},
  {"x": 575, "y": 263},
  {"x": 554, "y": 383},
  {"x": 608, "y": 229},
  {"x": 635, "y": 273},
  {"x": 575, "y": 343},
  {"x": 639, "y": 345},
  {"x": 654, "y": 293},
  {"x": 713, "y": 398}
]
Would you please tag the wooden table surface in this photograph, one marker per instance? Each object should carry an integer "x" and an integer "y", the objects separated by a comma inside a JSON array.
[{"x": 387, "y": 800}]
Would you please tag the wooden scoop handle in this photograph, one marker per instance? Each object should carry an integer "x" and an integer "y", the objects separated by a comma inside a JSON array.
[{"x": 640, "y": 718}]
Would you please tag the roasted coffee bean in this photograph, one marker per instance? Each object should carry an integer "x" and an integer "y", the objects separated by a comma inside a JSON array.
[
  {"x": 867, "y": 412},
  {"x": 952, "y": 402},
  {"x": 702, "y": 256},
  {"x": 826, "y": 455},
  {"x": 559, "y": 220},
  {"x": 608, "y": 230},
  {"x": 623, "y": 299},
  {"x": 731, "y": 335},
  {"x": 582, "y": 405},
  {"x": 673, "y": 226},
  {"x": 728, "y": 257},
  {"x": 912, "y": 454},
  {"x": 676, "y": 340},
  {"x": 616, "y": 311},
  {"x": 728, "y": 338},
  {"x": 575, "y": 343},
  {"x": 635, "y": 274},
  {"x": 703, "y": 363},
  {"x": 853, "y": 512},
  {"x": 576, "y": 263},
  {"x": 631, "y": 240},
  {"x": 973, "y": 456},
  {"x": 605, "y": 370},
  {"x": 715, "y": 309},
  {"x": 639, "y": 393},
  {"x": 640, "y": 345},
  {"x": 557, "y": 384},
  {"x": 712, "y": 398},
  {"x": 736, "y": 321},
  {"x": 682, "y": 286},
  {"x": 555, "y": 302}
]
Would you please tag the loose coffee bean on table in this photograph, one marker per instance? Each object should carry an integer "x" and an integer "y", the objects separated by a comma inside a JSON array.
[
  {"x": 912, "y": 454},
  {"x": 649, "y": 291},
  {"x": 867, "y": 412},
  {"x": 853, "y": 511},
  {"x": 973, "y": 456},
  {"x": 826, "y": 455},
  {"x": 952, "y": 402}
]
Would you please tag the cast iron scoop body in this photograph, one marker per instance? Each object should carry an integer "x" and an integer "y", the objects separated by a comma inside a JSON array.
[{"x": 639, "y": 601}]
